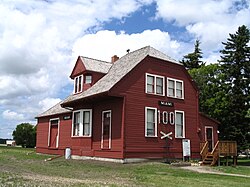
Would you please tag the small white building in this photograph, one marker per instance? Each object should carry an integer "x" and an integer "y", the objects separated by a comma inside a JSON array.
[{"x": 10, "y": 142}]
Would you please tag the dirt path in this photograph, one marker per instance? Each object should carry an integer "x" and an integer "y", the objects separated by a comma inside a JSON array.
[{"x": 209, "y": 170}]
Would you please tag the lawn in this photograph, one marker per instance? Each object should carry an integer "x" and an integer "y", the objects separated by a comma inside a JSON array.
[{"x": 23, "y": 167}]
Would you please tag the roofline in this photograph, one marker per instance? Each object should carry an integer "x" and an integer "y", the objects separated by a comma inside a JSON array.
[
  {"x": 53, "y": 114},
  {"x": 65, "y": 104},
  {"x": 206, "y": 116}
]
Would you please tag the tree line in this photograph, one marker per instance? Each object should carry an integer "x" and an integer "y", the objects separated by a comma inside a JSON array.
[{"x": 224, "y": 86}]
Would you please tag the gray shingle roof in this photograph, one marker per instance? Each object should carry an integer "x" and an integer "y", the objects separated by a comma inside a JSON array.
[
  {"x": 57, "y": 109},
  {"x": 96, "y": 65},
  {"x": 120, "y": 68}
]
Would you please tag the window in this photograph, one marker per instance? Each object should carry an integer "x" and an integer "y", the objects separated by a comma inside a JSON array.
[
  {"x": 155, "y": 84},
  {"x": 175, "y": 88},
  {"x": 150, "y": 122},
  {"x": 78, "y": 84},
  {"x": 88, "y": 79},
  {"x": 82, "y": 122},
  {"x": 179, "y": 124}
]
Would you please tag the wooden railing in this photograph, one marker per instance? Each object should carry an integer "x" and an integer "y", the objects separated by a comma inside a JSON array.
[
  {"x": 221, "y": 148},
  {"x": 204, "y": 149},
  {"x": 215, "y": 153},
  {"x": 228, "y": 148}
]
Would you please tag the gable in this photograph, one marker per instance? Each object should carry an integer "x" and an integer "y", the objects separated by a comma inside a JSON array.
[{"x": 78, "y": 68}]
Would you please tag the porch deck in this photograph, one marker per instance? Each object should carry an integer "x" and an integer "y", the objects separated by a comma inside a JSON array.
[{"x": 221, "y": 149}]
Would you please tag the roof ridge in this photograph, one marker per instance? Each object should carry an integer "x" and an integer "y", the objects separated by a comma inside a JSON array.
[{"x": 96, "y": 59}]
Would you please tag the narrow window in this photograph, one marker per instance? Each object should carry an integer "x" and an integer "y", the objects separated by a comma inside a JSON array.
[
  {"x": 76, "y": 124},
  {"x": 159, "y": 85},
  {"x": 78, "y": 84},
  {"x": 171, "y": 88},
  {"x": 151, "y": 122},
  {"x": 88, "y": 79},
  {"x": 179, "y": 124},
  {"x": 86, "y": 123},
  {"x": 150, "y": 84},
  {"x": 179, "y": 89}
]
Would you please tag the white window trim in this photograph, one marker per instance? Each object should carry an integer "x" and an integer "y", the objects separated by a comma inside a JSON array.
[
  {"x": 58, "y": 130},
  {"x": 184, "y": 134},
  {"x": 155, "y": 109},
  {"x": 155, "y": 76},
  {"x": 76, "y": 91},
  {"x": 81, "y": 123},
  {"x": 209, "y": 127},
  {"x": 110, "y": 127},
  {"x": 175, "y": 80}
]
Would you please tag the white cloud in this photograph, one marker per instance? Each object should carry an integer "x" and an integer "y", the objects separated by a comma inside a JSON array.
[
  {"x": 11, "y": 115},
  {"x": 47, "y": 103},
  {"x": 95, "y": 45}
]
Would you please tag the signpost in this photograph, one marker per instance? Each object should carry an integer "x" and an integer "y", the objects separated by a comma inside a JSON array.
[{"x": 186, "y": 149}]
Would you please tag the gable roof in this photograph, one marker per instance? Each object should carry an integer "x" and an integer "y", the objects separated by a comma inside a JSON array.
[
  {"x": 118, "y": 70},
  {"x": 90, "y": 64},
  {"x": 96, "y": 65},
  {"x": 57, "y": 109}
]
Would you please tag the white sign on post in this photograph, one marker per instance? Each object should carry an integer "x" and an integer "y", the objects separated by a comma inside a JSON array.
[{"x": 186, "y": 147}]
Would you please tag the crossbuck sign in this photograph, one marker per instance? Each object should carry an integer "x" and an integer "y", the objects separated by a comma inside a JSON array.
[{"x": 166, "y": 135}]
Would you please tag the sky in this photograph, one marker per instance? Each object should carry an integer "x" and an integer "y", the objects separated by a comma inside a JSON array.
[{"x": 40, "y": 41}]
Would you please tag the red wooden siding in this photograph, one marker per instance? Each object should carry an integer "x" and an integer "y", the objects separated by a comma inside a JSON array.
[{"x": 133, "y": 87}]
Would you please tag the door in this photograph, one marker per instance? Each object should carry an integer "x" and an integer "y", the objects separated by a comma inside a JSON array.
[
  {"x": 106, "y": 130},
  {"x": 209, "y": 138},
  {"x": 53, "y": 139}
]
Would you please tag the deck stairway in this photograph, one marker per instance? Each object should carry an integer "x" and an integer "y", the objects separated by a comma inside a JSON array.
[{"x": 221, "y": 149}]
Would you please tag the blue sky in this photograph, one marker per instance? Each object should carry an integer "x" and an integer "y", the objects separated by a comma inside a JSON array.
[{"x": 40, "y": 41}]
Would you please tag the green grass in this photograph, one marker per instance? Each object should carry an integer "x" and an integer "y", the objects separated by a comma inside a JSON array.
[{"x": 23, "y": 167}]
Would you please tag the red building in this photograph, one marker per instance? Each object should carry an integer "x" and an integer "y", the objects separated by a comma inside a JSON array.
[{"x": 143, "y": 105}]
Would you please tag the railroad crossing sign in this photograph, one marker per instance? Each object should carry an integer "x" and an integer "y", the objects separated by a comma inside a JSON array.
[{"x": 166, "y": 135}]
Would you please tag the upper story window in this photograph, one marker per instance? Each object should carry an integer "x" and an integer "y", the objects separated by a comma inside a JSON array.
[
  {"x": 179, "y": 124},
  {"x": 150, "y": 122},
  {"x": 82, "y": 123},
  {"x": 88, "y": 79},
  {"x": 78, "y": 84},
  {"x": 155, "y": 84},
  {"x": 175, "y": 88}
]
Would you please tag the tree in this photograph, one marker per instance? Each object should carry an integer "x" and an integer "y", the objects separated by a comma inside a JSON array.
[
  {"x": 192, "y": 60},
  {"x": 235, "y": 63},
  {"x": 25, "y": 135},
  {"x": 212, "y": 96}
]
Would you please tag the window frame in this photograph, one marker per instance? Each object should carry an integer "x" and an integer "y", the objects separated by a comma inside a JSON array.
[
  {"x": 175, "y": 88},
  {"x": 82, "y": 123},
  {"x": 154, "y": 84},
  {"x": 110, "y": 128},
  {"x": 183, "y": 119},
  {"x": 78, "y": 84},
  {"x": 85, "y": 78},
  {"x": 155, "y": 124}
]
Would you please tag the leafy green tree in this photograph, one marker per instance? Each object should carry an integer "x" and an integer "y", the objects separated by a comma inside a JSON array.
[
  {"x": 235, "y": 63},
  {"x": 25, "y": 135},
  {"x": 192, "y": 60},
  {"x": 212, "y": 96}
]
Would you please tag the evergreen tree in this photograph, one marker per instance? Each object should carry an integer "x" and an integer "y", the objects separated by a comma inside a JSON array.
[
  {"x": 192, "y": 60},
  {"x": 235, "y": 63}
]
